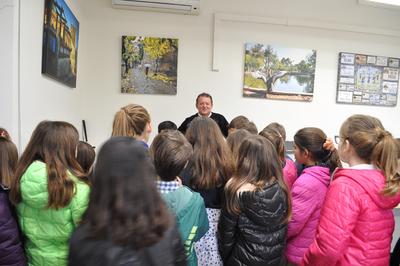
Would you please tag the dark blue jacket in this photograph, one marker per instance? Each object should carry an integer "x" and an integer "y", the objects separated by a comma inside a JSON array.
[{"x": 11, "y": 250}]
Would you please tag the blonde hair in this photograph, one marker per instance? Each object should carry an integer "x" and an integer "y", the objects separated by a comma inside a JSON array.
[
  {"x": 375, "y": 145},
  {"x": 130, "y": 121}
]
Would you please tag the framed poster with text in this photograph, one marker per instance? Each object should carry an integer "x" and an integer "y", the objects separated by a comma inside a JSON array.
[{"x": 367, "y": 79}]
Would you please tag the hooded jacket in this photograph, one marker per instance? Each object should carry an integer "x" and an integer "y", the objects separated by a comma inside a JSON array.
[
  {"x": 188, "y": 206},
  {"x": 308, "y": 194},
  {"x": 257, "y": 235},
  {"x": 289, "y": 173},
  {"x": 47, "y": 230},
  {"x": 11, "y": 249},
  {"x": 356, "y": 223}
]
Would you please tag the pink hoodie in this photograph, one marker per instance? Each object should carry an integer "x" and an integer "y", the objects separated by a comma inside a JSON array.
[
  {"x": 289, "y": 173},
  {"x": 356, "y": 222},
  {"x": 308, "y": 194}
]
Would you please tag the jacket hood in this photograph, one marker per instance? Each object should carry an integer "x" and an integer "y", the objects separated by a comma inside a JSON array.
[
  {"x": 265, "y": 207},
  {"x": 320, "y": 173},
  {"x": 34, "y": 185},
  {"x": 373, "y": 182}
]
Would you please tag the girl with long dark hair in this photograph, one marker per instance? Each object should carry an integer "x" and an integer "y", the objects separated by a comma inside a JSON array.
[
  {"x": 127, "y": 222},
  {"x": 253, "y": 223}
]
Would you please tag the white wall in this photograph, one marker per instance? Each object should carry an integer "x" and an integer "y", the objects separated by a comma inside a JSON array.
[
  {"x": 99, "y": 71},
  {"x": 8, "y": 67},
  {"x": 41, "y": 97}
]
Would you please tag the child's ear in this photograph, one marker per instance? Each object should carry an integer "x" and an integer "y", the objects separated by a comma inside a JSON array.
[{"x": 306, "y": 153}]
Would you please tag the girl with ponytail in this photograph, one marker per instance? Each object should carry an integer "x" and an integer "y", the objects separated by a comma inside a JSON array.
[
  {"x": 357, "y": 221},
  {"x": 309, "y": 189},
  {"x": 132, "y": 120}
]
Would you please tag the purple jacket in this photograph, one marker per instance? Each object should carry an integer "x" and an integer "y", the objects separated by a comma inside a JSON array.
[
  {"x": 11, "y": 250},
  {"x": 308, "y": 194}
]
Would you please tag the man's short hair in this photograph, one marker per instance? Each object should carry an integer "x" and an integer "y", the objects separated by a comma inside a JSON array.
[
  {"x": 167, "y": 125},
  {"x": 204, "y": 94}
]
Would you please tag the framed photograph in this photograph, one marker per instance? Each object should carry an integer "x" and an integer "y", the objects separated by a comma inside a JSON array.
[
  {"x": 149, "y": 65},
  {"x": 60, "y": 42},
  {"x": 368, "y": 80},
  {"x": 276, "y": 72}
]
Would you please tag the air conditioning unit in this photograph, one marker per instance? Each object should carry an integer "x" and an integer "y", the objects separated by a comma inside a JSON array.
[{"x": 187, "y": 7}]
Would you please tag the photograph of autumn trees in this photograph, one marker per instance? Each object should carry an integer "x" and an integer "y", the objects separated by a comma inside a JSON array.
[
  {"x": 149, "y": 65},
  {"x": 60, "y": 42},
  {"x": 274, "y": 72}
]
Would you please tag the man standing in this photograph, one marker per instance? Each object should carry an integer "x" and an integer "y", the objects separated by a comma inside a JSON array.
[{"x": 204, "y": 105}]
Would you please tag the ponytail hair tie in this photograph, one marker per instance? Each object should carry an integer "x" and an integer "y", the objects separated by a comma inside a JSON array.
[{"x": 382, "y": 134}]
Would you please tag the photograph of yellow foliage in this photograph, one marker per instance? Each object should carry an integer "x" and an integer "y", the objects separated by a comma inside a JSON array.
[{"x": 149, "y": 65}]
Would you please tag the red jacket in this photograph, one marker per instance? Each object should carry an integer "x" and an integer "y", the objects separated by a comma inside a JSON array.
[{"x": 356, "y": 223}]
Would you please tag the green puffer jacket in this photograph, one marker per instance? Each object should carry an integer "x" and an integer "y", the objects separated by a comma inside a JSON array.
[{"x": 47, "y": 231}]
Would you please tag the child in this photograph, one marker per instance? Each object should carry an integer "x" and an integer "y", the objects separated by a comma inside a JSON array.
[
  {"x": 11, "y": 250},
  {"x": 85, "y": 156},
  {"x": 234, "y": 140},
  {"x": 171, "y": 151},
  {"x": 289, "y": 167},
  {"x": 237, "y": 123},
  {"x": 207, "y": 172},
  {"x": 127, "y": 222},
  {"x": 357, "y": 223},
  {"x": 309, "y": 189},
  {"x": 253, "y": 223},
  {"x": 133, "y": 121},
  {"x": 395, "y": 255},
  {"x": 50, "y": 192},
  {"x": 167, "y": 125}
]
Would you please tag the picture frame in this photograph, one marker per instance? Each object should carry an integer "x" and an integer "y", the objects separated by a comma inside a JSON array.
[
  {"x": 367, "y": 79},
  {"x": 60, "y": 43}
]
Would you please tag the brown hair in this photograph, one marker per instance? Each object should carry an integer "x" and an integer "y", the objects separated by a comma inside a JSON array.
[
  {"x": 257, "y": 165},
  {"x": 275, "y": 138},
  {"x": 130, "y": 121},
  {"x": 251, "y": 127},
  {"x": 124, "y": 203},
  {"x": 4, "y": 133},
  {"x": 85, "y": 155},
  {"x": 313, "y": 139},
  {"x": 170, "y": 151},
  {"x": 211, "y": 164},
  {"x": 278, "y": 128},
  {"x": 8, "y": 161},
  {"x": 238, "y": 122},
  {"x": 375, "y": 145},
  {"x": 54, "y": 143},
  {"x": 234, "y": 140},
  {"x": 204, "y": 94}
]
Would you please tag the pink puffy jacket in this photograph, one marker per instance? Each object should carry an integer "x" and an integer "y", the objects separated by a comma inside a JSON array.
[
  {"x": 308, "y": 194},
  {"x": 289, "y": 173},
  {"x": 356, "y": 223}
]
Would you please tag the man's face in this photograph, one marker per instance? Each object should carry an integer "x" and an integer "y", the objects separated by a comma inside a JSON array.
[{"x": 204, "y": 106}]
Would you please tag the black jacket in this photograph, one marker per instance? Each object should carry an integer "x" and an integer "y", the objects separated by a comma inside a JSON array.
[
  {"x": 93, "y": 252},
  {"x": 220, "y": 119},
  {"x": 257, "y": 235}
]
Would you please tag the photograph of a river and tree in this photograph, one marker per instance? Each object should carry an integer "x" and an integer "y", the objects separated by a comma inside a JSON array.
[
  {"x": 149, "y": 65},
  {"x": 276, "y": 72},
  {"x": 60, "y": 42}
]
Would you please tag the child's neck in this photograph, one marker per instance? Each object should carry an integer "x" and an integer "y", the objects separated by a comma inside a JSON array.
[
  {"x": 356, "y": 161},
  {"x": 310, "y": 163}
]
